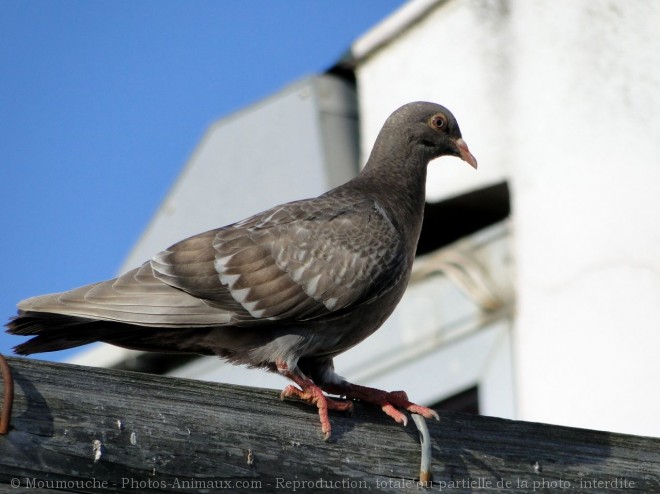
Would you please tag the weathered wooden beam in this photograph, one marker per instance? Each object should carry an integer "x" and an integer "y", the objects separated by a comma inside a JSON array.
[{"x": 85, "y": 429}]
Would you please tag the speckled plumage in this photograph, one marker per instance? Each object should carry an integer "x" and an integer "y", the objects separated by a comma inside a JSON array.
[{"x": 286, "y": 289}]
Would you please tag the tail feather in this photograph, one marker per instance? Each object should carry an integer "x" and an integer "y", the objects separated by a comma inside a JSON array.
[{"x": 53, "y": 332}]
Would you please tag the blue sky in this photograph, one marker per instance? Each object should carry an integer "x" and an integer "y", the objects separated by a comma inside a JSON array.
[{"x": 101, "y": 104}]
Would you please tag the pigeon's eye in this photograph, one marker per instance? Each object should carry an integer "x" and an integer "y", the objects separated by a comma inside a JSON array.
[{"x": 439, "y": 121}]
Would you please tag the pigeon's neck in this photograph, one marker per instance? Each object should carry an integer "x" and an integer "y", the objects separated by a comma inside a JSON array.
[{"x": 398, "y": 183}]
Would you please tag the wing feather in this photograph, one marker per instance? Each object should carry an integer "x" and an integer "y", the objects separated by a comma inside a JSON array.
[
  {"x": 135, "y": 297},
  {"x": 295, "y": 262}
]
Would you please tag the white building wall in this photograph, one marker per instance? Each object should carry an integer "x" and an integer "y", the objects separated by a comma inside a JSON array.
[
  {"x": 562, "y": 98},
  {"x": 586, "y": 177}
]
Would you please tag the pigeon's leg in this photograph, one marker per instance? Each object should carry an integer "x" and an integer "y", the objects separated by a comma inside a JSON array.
[
  {"x": 312, "y": 394},
  {"x": 389, "y": 402}
]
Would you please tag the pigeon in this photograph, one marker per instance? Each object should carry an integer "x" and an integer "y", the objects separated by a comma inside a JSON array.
[{"x": 285, "y": 290}]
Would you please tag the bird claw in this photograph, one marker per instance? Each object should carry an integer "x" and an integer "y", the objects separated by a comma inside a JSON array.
[
  {"x": 424, "y": 412},
  {"x": 400, "y": 399},
  {"x": 390, "y": 402},
  {"x": 290, "y": 392},
  {"x": 398, "y": 417},
  {"x": 314, "y": 396}
]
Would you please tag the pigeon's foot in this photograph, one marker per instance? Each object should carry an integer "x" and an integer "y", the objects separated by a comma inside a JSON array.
[
  {"x": 312, "y": 394},
  {"x": 390, "y": 402}
]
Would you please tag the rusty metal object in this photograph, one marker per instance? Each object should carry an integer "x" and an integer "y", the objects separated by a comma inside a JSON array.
[{"x": 8, "y": 395}]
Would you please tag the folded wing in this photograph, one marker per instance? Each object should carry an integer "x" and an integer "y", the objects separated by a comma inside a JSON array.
[{"x": 296, "y": 262}]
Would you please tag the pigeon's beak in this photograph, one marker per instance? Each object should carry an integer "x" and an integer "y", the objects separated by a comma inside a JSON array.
[{"x": 465, "y": 153}]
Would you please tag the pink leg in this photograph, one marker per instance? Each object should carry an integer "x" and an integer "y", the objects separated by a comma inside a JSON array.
[
  {"x": 312, "y": 394},
  {"x": 388, "y": 401}
]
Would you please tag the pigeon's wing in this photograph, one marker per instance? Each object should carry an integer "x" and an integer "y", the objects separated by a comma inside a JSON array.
[
  {"x": 295, "y": 262},
  {"x": 136, "y": 297}
]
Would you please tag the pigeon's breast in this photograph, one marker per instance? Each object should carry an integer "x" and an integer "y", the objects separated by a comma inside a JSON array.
[{"x": 334, "y": 336}]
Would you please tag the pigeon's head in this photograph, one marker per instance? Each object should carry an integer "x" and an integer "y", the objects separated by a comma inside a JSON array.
[{"x": 432, "y": 130}]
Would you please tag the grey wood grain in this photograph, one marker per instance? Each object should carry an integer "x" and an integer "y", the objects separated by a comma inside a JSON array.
[{"x": 161, "y": 434}]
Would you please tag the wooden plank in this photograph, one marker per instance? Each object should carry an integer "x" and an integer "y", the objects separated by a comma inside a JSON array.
[{"x": 85, "y": 429}]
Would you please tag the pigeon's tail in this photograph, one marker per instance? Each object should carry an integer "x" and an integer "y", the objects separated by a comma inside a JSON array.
[{"x": 52, "y": 332}]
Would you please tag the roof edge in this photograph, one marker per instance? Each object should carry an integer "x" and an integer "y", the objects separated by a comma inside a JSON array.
[{"x": 390, "y": 27}]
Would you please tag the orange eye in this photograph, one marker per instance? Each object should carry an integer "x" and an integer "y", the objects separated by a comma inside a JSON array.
[{"x": 439, "y": 121}]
